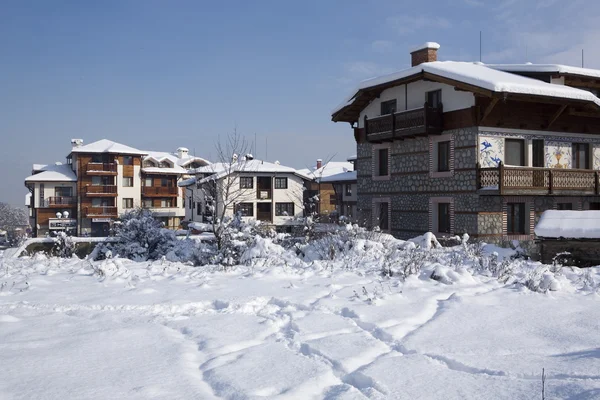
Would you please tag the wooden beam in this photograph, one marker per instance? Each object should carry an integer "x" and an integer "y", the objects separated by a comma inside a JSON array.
[
  {"x": 556, "y": 115},
  {"x": 489, "y": 109},
  {"x": 577, "y": 113}
]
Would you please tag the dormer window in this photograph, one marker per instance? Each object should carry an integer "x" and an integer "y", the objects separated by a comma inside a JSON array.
[
  {"x": 388, "y": 107},
  {"x": 164, "y": 164},
  {"x": 434, "y": 98}
]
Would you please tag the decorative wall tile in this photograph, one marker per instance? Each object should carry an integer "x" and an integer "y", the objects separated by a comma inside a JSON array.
[
  {"x": 491, "y": 151},
  {"x": 558, "y": 154},
  {"x": 596, "y": 156}
]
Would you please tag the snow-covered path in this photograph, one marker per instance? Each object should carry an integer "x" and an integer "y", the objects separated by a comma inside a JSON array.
[{"x": 169, "y": 331}]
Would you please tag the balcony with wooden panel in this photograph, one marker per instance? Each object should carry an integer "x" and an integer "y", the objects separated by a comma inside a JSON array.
[
  {"x": 505, "y": 180},
  {"x": 160, "y": 191},
  {"x": 101, "y": 191},
  {"x": 405, "y": 124},
  {"x": 101, "y": 169},
  {"x": 61, "y": 201},
  {"x": 100, "y": 212}
]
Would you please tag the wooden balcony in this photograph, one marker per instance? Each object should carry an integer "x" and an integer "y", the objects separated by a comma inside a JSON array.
[
  {"x": 405, "y": 124},
  {"x": 102, "y": 211},
  {"x": 537, "y": 181},
  {"x": 101, "y": 168},
  {"x": 101, "y": 191},
  {"x": 61, "y": 201},
  {"x": 160, "y": 191}
]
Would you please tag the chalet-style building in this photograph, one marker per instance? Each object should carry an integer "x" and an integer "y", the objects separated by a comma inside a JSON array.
[
  {"x": 344, "y": 187},
  {"x": 319, "y": 195},
  {"x": 260, "y": 190},
  {"x": 101, "y": 181},
  {"x": 461, "y": 147}
]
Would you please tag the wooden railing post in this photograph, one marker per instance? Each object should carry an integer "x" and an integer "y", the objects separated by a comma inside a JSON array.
[
  {"x": 425, "y": 111},
  {"x": 550, "y": 181},
  {"x": 366, "y": 126},
  {"x": 478, "y": 176},
  {"x": 501, "y": 177},
  {"x": 596, "y": 188},
  {"x": 393, "y": 115}
]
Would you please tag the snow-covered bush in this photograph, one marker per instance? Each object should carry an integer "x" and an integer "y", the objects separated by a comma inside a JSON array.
[
  {"x": 64, "y": 247},
  {"x": 141, "y": 237}
]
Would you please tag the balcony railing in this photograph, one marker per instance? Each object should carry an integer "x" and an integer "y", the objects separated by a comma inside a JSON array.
[
  {"x": 403, "y": 124},
  {"x": 160, "y": 191},
  {"x": 101, "y": 211},
  {"x": 263, "y": 194},
  {"x": 101, "y": 190},
  {"x": 535, "y": 180},
  {"x": 61, "y": 201},
  {"x": 94, "y": 168}
]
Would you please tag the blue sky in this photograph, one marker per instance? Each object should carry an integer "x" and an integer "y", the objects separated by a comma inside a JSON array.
[{"x": 162, "y": 74}]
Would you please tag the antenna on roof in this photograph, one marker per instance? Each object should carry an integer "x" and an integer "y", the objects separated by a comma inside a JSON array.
[{"x": 479, "y": 46}]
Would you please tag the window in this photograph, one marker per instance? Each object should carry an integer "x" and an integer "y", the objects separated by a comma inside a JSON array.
[
  {"x": 166, "y": 203},
  {"x": 148, "y": 182},
  {"x": 382, "y": 210},
  {"x": 564, "y": 206},
  {"x": 127, "y": 203},
  {"x": 246, "y": 182},
  {"x": 443, "y": 217},
  {"x": 164, "y": 164},
  {"x": 382, "y": 161},
  {"x": 514, "y": 152},
  {"x": 594, "y": 205},
  {"x": 515, "y": 218},
  {"x": 332, "y": 199},
  {"x": 190, "y": 203},
  {"x": 164, "y": 182},
  {"x": 247, "y": 209},
  {"x": 443, "y": 156},
  {"x": 127, "y": 160},
  {"x": 538, "y": 153},
  {"x": 127, "y": 181},
  {"x": 281, "y": 183},
  {"x": 63, "y": 191},
  {"x": 147, "y": 203},
  {"x": 388, "y": 107},
  {"x": 198, "y": 208},
  {"x": 434, "y": 98},
  {"x": 41, "y": 194},
  {"x": 284, "y": 209},
  {"x": 348, "y": 191},
  {"x": 581, "y": 153}
]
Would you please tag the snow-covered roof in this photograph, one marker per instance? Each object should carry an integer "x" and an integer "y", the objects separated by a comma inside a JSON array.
[
  {"x": 187, "y": 182},
  {"x": 341, "y": 177},
  {"x": 52, "y": 173},
  {"x": 220, "y": 170},
  {"x": 329, "y": 169},
  {"x": 482, "y": 76},
  {"x": 569, "y": 224},
  {"x": 107, "y": 146},
  {"x": 352, "y": 158},
  {"x": 547, "y": 68},
  {"x": 179, "y": 164},
  {"x": 426, "y": 45}
]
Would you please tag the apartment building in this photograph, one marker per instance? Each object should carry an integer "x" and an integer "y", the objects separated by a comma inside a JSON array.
[
  {"x": 461, "y": 147},
  {"x": 102, "y": 180},
  {"x": 260, "y": 190}
]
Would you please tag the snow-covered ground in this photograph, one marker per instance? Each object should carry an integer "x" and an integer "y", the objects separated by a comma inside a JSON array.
[{"x": 116, "y": 329}]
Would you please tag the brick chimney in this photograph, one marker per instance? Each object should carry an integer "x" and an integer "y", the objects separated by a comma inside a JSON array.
[
  {"x": 424, "y": 53},
  {"x": 319, "y": 163}
]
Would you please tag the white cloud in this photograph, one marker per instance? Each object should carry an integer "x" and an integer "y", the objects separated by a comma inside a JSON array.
[{"x": 405, "y": 24}]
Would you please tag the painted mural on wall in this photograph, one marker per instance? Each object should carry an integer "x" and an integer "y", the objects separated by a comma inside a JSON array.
[
  {"x": 491, "y": 151},
  {"x": 596, "y": 156},
  {"x": 558, "y": 154}
]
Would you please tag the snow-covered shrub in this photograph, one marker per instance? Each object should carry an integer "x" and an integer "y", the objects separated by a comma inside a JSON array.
[
  {"x": 64, "y": 247},
  {"x": 541, "y": 280},
  {"x": 141, "y": 237}
]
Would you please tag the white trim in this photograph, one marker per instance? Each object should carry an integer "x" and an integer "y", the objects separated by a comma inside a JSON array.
[{"x": 491, "y": 129}]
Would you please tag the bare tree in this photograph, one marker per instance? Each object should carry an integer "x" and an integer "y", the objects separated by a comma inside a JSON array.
[
  {"x": 219, "y": 188},
  {"x": 12, "y": 217}
]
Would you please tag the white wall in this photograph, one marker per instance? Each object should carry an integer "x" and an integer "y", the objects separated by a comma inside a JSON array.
[
  {"x": 49, "y": 191},
  {"x": 452, "y": 100},
  {"x": 134, "y": 192}
]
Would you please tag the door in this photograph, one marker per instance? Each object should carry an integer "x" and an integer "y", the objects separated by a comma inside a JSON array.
[
  {"x": 538, "y": 162},
  {"x": 263, "y": 212}
]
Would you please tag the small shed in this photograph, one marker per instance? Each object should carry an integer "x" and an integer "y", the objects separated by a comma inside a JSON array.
[{"x": 573, "y": 232}]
